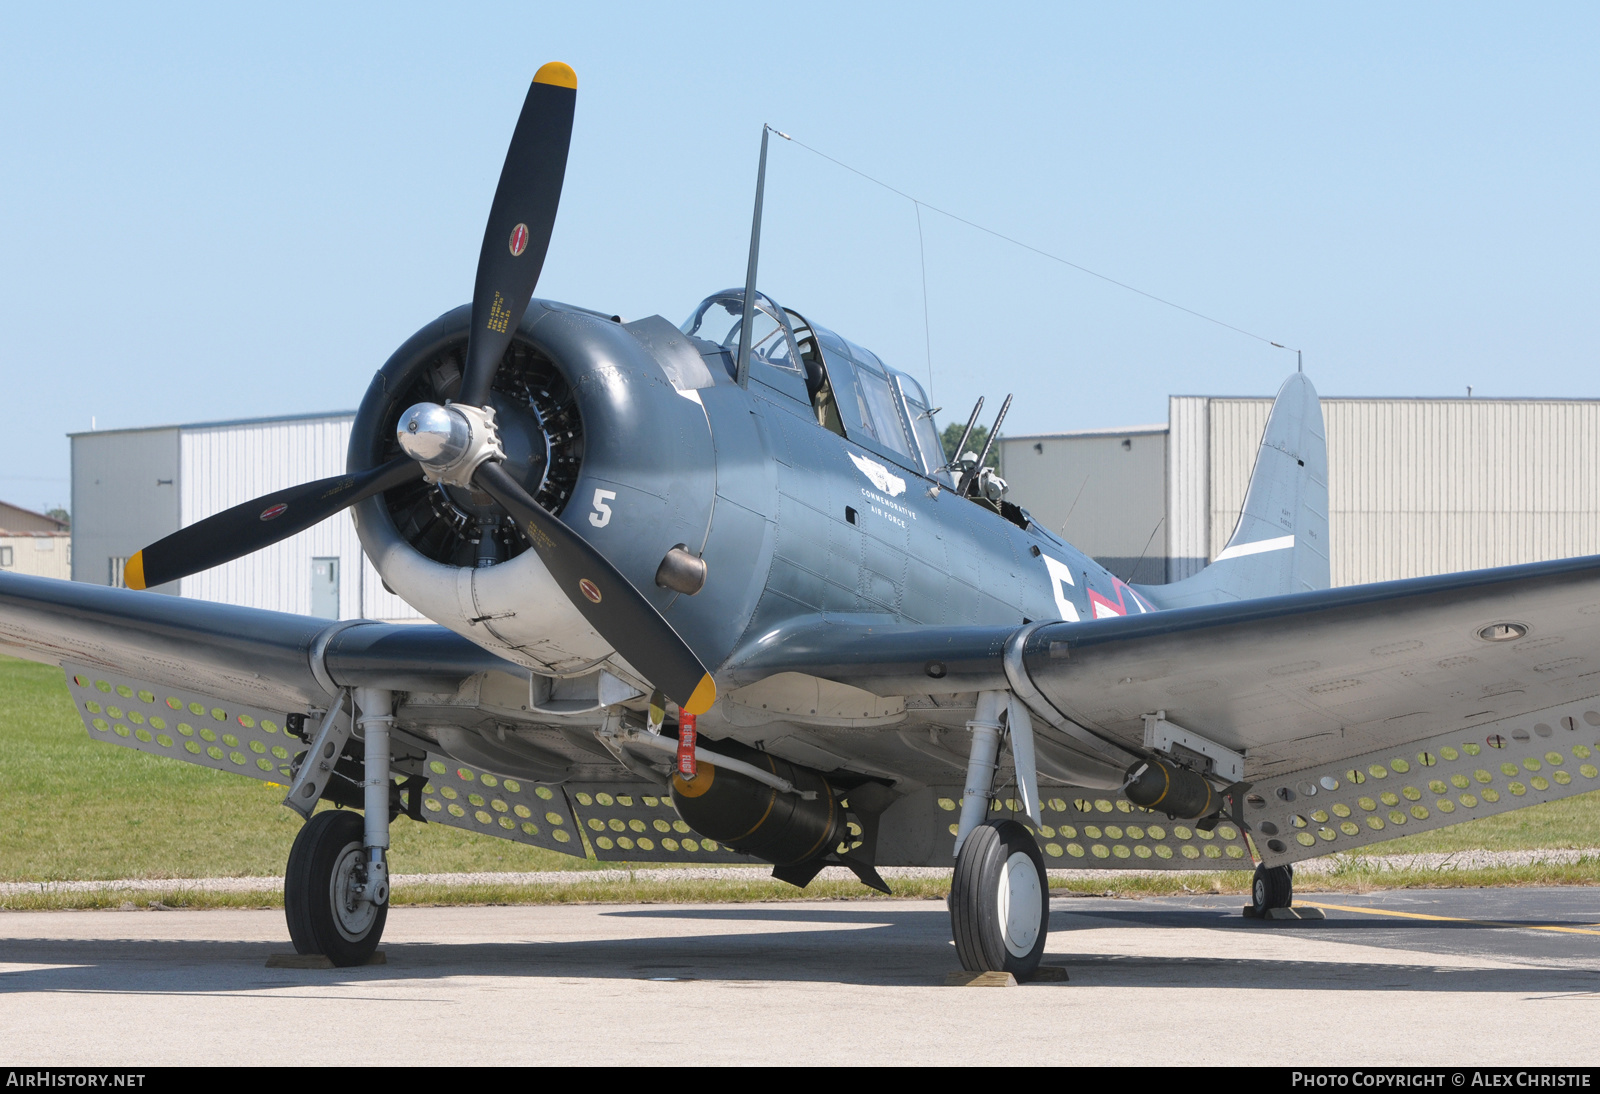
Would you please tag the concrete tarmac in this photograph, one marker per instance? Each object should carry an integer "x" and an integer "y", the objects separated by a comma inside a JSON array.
[{"x": 1440, "y": 977}]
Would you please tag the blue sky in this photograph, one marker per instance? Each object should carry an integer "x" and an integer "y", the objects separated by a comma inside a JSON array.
[{"x": 214, "y": 213}]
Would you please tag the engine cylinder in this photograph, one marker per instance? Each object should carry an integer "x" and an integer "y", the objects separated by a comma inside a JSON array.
[
  {"x": 1168, "y": 788},
  {"x": 756, "y": 819}
]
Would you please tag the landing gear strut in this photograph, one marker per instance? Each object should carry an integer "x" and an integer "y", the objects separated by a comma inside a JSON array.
[
  {"x": 1272, "y": 887},
  {"x": 336, "y": 888}
]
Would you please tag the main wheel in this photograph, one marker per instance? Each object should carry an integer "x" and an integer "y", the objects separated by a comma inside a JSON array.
[
  {"x": 1000, "y": 901},
  {"x": 1272, "y": 887},
  {"x": 326, "y": 865}
]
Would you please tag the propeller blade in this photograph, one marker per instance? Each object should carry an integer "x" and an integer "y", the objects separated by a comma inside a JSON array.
[
  {"x": 234, "y": 532},
  {"x": 607, "y": 599},
  {"x": 520, "y": 222}
]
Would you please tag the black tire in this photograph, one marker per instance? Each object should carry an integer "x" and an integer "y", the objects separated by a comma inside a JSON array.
[
  {"x": 1272, "y": 887},
  {"x": 992, "y": 929},
  {"x": 319, "y": 873}
]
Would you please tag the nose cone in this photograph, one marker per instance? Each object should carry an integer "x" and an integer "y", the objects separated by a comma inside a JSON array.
[{"x": 430, "y": 433}]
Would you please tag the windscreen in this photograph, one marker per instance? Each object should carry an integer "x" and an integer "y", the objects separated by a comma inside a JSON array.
[{"x": 923, "y": 429}]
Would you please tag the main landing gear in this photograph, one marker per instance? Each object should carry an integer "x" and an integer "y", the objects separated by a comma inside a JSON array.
[
  {"x": 336, "y": 888},
  {"x": 325, "y": 891},
  {"x": 1000, "y": 894},
  {"x": 1272, "y": 887}
]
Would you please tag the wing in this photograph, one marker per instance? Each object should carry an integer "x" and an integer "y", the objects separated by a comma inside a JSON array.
[
  {"x": 211, "y": 684},
  {"x": 1289, "y": 680},
  {"x": 1363, "y": 713},
  {"x": 269, "y": 659},
  {"x": 1296, "y": 680}
]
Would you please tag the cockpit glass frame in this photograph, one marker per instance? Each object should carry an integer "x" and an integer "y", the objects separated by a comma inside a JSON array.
[
  {"x": 846, "y": 391},
  {"x": 875, "y": 406},
  {"x": 769, "y": 323},
  {"x": 888, "y": 418},
  {"x": 872, "y": 401},
  {"x": 924, "y": 430}
]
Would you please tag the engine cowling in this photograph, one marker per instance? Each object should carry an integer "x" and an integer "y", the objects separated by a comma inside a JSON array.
[{"x": 592, "y": 428}]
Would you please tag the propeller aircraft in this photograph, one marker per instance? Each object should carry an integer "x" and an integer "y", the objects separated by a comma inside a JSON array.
[{"x": 714, "y": 593}]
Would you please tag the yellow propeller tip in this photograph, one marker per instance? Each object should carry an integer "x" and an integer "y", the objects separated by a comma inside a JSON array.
[
  {"x": 557, "y": 73},
  {"x": 705, "y": 694},
  {"x": 133, "y": 571}
]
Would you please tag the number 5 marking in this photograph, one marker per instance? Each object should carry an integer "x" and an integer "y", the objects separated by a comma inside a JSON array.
[{"x": 602, "y": 512}]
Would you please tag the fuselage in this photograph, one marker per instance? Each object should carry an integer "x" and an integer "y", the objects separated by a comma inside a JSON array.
[{"x": 801, "y": 504}]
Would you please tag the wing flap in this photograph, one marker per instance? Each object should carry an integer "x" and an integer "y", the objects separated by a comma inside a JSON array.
[
  {"x": 1096, "y": 829},
  {"x": 1475, "y": 771},
  {"x": 635, "y": 822},
  {"x": 1289, "y": 681},
  {"x": 181, "y": 724},
  {"x": 468, "y": 797}
]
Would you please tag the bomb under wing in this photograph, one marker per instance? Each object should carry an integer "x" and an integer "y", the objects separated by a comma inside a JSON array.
[{"x": 1170, "y": 789}]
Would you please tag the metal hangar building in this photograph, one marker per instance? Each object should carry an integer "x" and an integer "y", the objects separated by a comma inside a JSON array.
[
  {"x": 1416, "y": 486},
  {"x": 130, "y": 487}
]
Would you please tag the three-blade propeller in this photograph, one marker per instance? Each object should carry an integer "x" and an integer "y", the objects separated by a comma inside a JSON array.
[
  {"x": 260, "y": 522},
  {"x": 515, "y": 240}
]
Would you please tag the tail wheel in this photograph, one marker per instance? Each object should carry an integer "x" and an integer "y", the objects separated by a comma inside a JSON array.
[
  {"x": 321, "y": 898},
  {"x": 1000, "y": 901},
  {"x": 1272, "y": 887}
]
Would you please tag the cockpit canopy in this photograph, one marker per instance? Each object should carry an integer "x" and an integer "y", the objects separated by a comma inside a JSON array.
[
  {"x": 719, "y": 317},
  {"x": 851, "y": 391}
]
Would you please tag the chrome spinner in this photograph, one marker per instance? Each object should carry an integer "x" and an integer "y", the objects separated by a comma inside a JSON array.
[{"x": 450, "y": 441}]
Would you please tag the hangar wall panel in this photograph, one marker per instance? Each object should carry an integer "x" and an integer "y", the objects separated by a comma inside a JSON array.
[
  {"x": 1103, "y": 491},
  {"x": 1234, "y": 428},
  {"x": 124, "y": 496},
  {"x": 38, "y": 554},
  {"x": 228, "y": 464},
  {"x": 1188, "y": 512}
]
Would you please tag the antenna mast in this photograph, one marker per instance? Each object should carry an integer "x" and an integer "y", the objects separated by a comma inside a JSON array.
[{"x": 743, "y": 369}]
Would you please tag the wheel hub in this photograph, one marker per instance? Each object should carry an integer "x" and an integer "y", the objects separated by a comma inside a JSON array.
[
  {"x": 353, "y": 913},
  {"x": 1021, "y": 904}
]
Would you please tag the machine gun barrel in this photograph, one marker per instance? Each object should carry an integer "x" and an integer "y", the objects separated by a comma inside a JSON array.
[
  {"x": 967, "y": 432},
  {"x": 972, "y": 475}
]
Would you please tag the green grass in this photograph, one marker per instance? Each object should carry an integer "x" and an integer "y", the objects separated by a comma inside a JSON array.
[
  {"x": 80, "y": 810},
  {"x": 757, "y": 888},
  {"x": 1569, "y": 823}
]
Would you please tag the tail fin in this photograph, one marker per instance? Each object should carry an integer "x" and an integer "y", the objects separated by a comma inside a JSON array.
[{"x": 1280, "y": 544}]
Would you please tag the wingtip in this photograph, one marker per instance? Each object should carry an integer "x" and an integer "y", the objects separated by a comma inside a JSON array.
[{"x": 133, "y": 571}]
